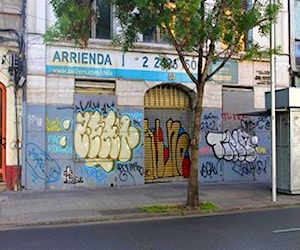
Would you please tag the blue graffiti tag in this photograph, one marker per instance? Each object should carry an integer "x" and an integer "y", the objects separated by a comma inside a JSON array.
[
  {"x": 95, "y": 173},
  {"x": 43, "y": 166}
]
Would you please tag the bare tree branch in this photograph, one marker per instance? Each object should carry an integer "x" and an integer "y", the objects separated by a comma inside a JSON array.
[{"x": 181, "y": 55}]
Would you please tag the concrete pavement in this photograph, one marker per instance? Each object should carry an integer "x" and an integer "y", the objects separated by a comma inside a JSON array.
[{"x": 79, "y": 205}]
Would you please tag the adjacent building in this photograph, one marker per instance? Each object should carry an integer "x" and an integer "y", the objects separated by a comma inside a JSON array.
[
  {"x": 99, "y": 117},
  {"x": 12, "y": 77}
]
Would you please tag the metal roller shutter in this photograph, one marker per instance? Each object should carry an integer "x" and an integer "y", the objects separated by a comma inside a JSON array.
[
  {"x": 166, "y": 132},
  {"x": 95, "y": 87}
]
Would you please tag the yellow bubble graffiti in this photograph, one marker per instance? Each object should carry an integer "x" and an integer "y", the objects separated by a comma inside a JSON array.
[{"x": 101, "y": 139}]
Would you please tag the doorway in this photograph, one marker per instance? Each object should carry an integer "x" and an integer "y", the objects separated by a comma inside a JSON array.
[
  {"x": 2, "y": 132},
  {"x": 166, "y": 133}
]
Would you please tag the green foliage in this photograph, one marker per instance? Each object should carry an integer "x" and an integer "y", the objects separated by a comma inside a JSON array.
[
  {"x": 208, "y": 207},
  {"x": 73, "y": 21},
  {"x": 175, "y": 208},
  {"x": 210, "y": 31},
  {"x": 156, "y": 209},
  {"x": 197, "y": 25}
]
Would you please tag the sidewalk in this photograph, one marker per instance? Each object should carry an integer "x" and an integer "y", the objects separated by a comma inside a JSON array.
[{"x": 106, "y": 204}]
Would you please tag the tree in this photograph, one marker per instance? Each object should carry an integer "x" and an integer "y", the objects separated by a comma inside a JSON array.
[
  {"x": 193, "y": 27},
  {"x": 197, "y": 27},
  {"x": 73, "y": 22}
]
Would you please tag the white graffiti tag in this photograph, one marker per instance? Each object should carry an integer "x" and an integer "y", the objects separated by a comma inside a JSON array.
[
  {"x": 236, "y": 146},
  {"x": 102, "y": 139}
]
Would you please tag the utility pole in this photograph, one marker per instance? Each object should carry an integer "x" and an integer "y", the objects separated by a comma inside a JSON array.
[{"x": 273, "y": 108}]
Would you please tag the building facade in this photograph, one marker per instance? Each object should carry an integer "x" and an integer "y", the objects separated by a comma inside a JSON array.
[
  {"x": 12, "y": 77},
  {"x": 97, "y": 116}
]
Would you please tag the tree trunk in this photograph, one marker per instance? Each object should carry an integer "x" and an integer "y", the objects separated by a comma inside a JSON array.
[{"x": 193, "y": 189}]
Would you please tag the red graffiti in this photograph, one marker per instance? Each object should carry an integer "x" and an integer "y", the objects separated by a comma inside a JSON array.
[{"x": 169, "y": 155}]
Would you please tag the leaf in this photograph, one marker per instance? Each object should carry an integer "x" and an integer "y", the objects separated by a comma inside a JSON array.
[{"x": 73, "y": 22}]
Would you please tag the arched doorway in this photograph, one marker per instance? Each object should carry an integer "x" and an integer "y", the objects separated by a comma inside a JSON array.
[
  {"x": 2, "y": 132},
  {"x": 166, "y": 132}
]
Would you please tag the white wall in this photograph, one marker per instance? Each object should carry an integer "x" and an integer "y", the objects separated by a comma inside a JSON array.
[{"x": 36, "y": 16}]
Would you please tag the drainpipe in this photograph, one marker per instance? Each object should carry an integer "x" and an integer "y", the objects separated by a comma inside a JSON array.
[
  {"x": 22, "y": 46},
  {"x": 291, "y": 66},
  {"x": 19, "y": 84},
  {"x": 19, "y": 80},
  {"x": 17, "y": 144}
]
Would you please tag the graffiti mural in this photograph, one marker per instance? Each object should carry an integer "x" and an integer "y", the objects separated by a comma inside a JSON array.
[
  {"x": 241, "y": 151},
  {"x": 101, "y": 138},
  {"x": 211, "y": 169},
  {"x": 238, "y": 145},
  {"x": 127, "y": 171},
  {"x": 58, "y": 125},
  {"x": 50, "y": 130},
  {"x": 91, "y": 144},
  {"x": 94, "y": 175},
  {"x": 214, "y": 170},
  {"x": 250, "y": 168},
  {"x": 166, "y": 156},
  {"x": 70, "y": 177},
  {"x": 53, "y": 125},
  {"x": 59, "y": 144},
  {"x": 94, "y": 143},
  {"x": 210, "y": 122},
  {"x": 58, "y": 140},
  {"x": 43, "y": 167}
]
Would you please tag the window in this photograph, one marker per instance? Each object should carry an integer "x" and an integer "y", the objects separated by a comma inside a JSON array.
[
  {"x": 297, "y": 53},
  {"x": 102, "y": 25},
  {"x": 150, "y": 35},
  {"x": 95, "y": 87},
  {"x": 153, "y": 35}
]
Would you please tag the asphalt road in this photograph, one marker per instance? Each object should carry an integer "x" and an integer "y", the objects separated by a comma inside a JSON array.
[{"x": 270, "y": 229}]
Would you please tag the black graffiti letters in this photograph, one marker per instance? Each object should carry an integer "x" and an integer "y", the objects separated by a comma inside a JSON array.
[
  {"x": 209, "y": 169},
  {"x": 70, "y": 178},
  {"x": 210, "y": 122},
  {"x": 126, "y": 170},
  {"x": 263, "y": 122},
  {"x": 250, "y": 168}
]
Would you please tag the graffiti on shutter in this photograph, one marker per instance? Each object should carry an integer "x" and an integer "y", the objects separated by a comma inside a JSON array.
[{"x": 166, "y": 133}]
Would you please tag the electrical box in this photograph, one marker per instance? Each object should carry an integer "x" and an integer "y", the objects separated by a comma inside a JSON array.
[{"x": 287, "y": 112}]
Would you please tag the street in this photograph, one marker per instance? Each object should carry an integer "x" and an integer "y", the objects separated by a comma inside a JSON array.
[{"x": 269, "y": 229}]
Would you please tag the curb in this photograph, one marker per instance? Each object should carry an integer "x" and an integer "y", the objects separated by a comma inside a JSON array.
[{"x": 138, "y": 216}]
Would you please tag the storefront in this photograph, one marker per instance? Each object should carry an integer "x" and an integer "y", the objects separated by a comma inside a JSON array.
[{"x": 99, "y": 117}]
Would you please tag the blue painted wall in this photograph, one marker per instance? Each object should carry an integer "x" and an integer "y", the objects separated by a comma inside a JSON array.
[
  {"x": 241, "y": 152},
  {"x": 233, "y": 147},
  {"x": 50, "y": 159}
]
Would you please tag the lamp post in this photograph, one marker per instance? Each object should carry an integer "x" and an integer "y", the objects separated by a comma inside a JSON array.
[{"x": 273, "y": 108}]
